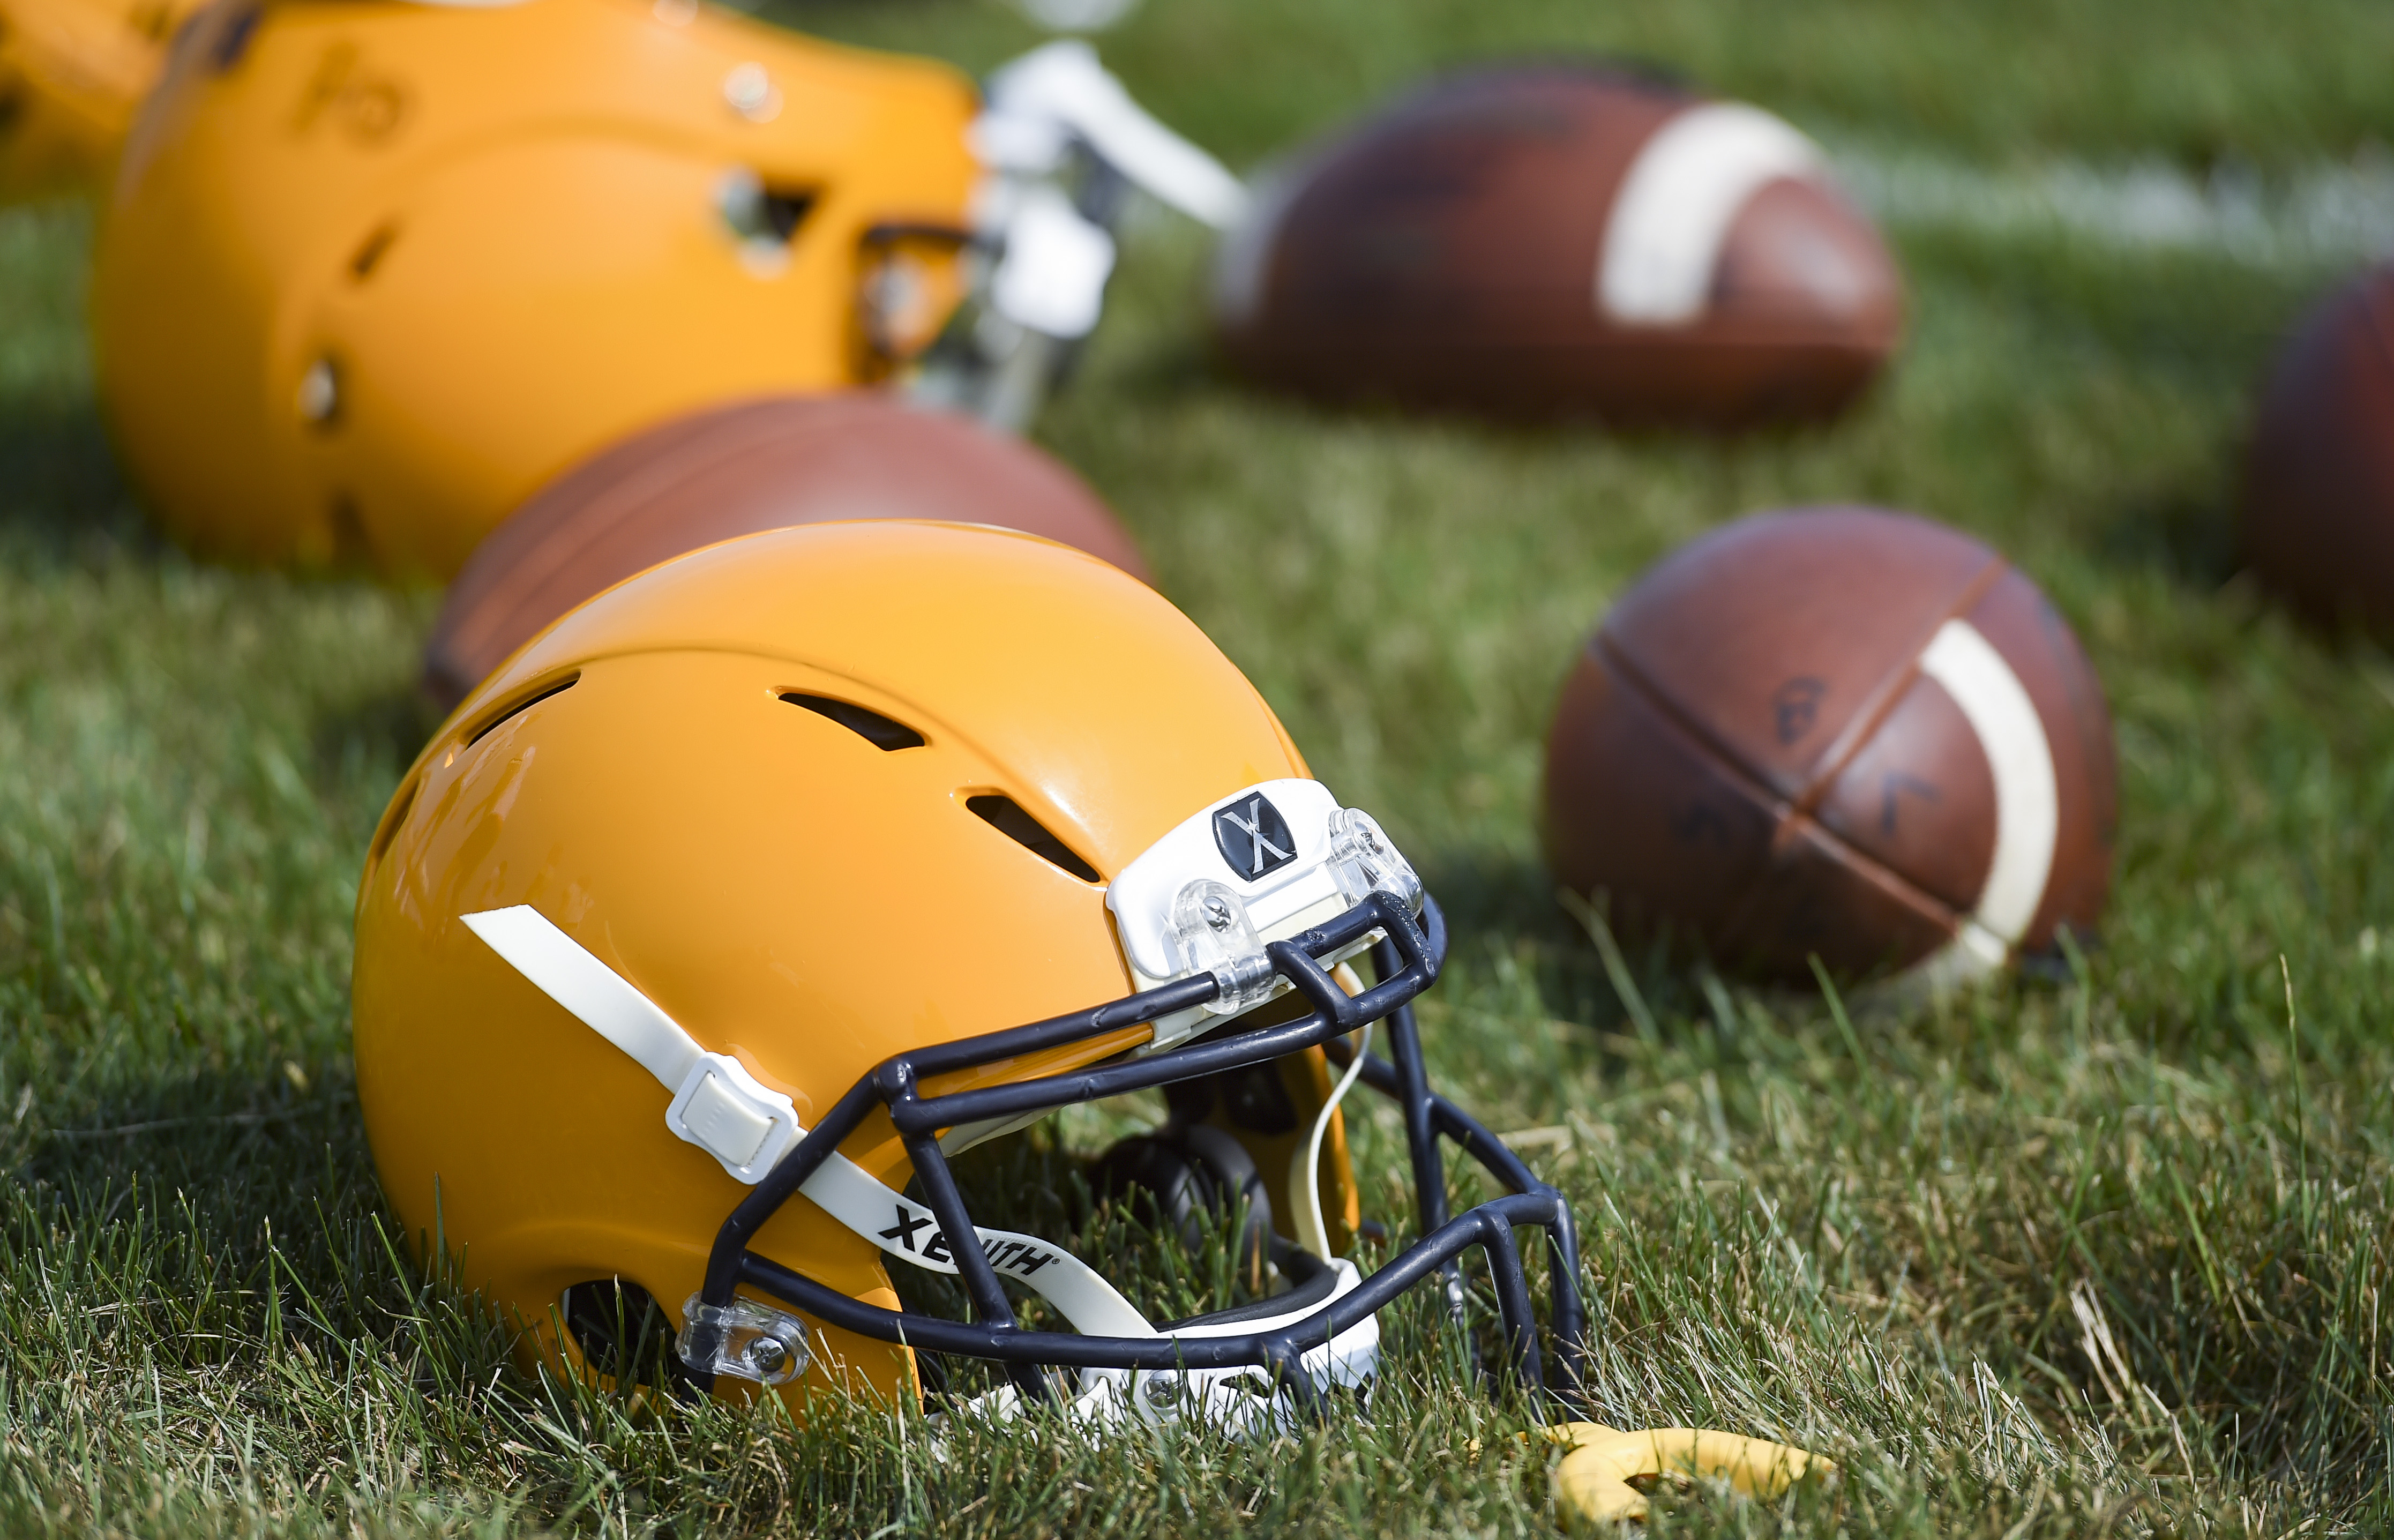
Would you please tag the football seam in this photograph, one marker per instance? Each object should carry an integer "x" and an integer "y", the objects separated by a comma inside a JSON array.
[
  {"x": 1876, "y": 706},
  {"x": 1842, "y": 749},
  {"x": 1785, "y": 815}
]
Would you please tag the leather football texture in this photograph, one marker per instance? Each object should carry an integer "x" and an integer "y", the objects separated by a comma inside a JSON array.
[
  {"x": 735, "y": 470},
  {"x": 1843, "y": 733},
  {"x": 2318, "y": 487},
  {"x": 1563, "y": 241}
]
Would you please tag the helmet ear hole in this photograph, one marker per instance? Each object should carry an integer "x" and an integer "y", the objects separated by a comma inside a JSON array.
[
  {"x": 1148, "y": 1175},
  {"x": 1178, "y": 1175},
  {"x": 620, "y": 1330}
]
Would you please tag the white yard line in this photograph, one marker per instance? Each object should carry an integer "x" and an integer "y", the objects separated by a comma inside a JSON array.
[{"x": 2338, "y": 211}]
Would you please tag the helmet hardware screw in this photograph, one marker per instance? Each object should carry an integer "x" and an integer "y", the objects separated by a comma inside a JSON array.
[
  {"x": 1217, "y": 915},
  {"x": 766, "y": 1355},
  {"x": 320, "y": 392},
  {"x": 750, "y": 92},
  {"x": 1163, "y": 1392}
]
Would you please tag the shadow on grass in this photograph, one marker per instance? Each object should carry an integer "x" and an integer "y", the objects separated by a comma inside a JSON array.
[
  {"x": 2188, "y": 535},
  {"x": 388, "y": 729},
  {"x": 2187, "y": 313},
  {"x": 1500, "y": 893},
  {"x": 261, "y": 1136},
  {"x": 1504, "y": 908},
  {"x": 184, "y": 1205},
  {"x": 62, "y": 500}
]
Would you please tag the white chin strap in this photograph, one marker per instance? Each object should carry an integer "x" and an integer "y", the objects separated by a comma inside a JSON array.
[{"x": 718, "y": 1106}]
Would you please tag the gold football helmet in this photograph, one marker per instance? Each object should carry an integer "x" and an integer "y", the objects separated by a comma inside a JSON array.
[
  {"x": 373, "y": 273},
  {"x": 710, "y": 925}
]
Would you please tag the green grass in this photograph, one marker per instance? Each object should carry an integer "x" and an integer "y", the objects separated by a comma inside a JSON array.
[
  {"x": 1902, "y": 1243},
  {"x": 2195, "y": 81}
]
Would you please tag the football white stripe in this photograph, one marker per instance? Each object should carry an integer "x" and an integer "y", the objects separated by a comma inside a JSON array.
[
  {"x": 2028, "y": 803},
  {"x": 1675, "y": 208}
]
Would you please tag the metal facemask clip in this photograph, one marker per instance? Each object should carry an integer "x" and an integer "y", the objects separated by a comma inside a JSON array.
[
  {"x": 1214, "y": 935},
  {"x": 1365, "y": 861},
  {"x": 744, "y": 1340}
]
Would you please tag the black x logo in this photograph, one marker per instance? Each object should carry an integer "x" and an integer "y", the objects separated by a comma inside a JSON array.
[
  {"x": 904, "y": 1230},
  {"x": 1253, "y": 838}
]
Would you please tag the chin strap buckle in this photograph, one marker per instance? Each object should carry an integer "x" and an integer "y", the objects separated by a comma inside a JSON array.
[{"x": 722, "y": 1109}]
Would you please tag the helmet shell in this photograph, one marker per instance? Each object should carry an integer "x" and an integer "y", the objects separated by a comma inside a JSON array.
[
  {"x": 789, "y": 892},
  {"x": 372, "y": 273}
]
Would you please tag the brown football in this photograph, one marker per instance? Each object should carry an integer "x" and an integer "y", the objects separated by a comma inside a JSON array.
[
  {"x": 2318, "y": 488},
  {"x": 1838, "y": 731},
  {"x": 734, "y": 471},
  {"x": 1561, "y": 239}
]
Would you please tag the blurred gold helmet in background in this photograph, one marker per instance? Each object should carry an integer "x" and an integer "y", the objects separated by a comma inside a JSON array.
[{"x": 373, "y": 273}]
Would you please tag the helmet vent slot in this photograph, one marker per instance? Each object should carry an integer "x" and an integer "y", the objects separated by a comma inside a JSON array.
[
  {"x": 519, "y": 705},
  {"x": 371, "y": 252},
  {"x": 393, "y": 818},
  {"x": 883, "y": 734},
  {"x": 762, "y": 213},
  {"x": 784, "y": 209},
  {"x": 1006, "y": 815}
]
